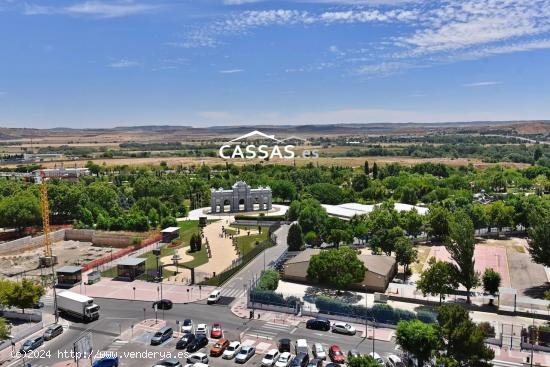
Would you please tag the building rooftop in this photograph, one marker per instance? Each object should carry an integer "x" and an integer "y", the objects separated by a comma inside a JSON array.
[
  {"x": 131, "y": 261},
  {"x": 69, "y": 269},
  {"x": 348, "y": 210}
]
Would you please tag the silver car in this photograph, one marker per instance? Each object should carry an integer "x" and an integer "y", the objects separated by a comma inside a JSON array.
[
  {"x": 319, "y": 351},
  {"x": 245, "y": 354}
]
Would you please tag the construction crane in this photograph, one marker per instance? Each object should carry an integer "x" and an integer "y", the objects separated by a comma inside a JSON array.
[{"x": 48, "y": 259}]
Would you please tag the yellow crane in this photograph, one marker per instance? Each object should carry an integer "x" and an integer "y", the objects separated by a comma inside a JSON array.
[{"x": 48, "y": 259}]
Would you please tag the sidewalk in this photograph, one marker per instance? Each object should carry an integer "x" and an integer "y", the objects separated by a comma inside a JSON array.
[{"x": 144, "y": 291}]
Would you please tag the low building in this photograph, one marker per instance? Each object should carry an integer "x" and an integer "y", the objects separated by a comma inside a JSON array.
[
  {"x": 130, "y": 268},
  {"x": 68, "y": 276},
  {"x": 349, "y": 210},
  {"x": 381, "y": 270},
  {"x": 169, "y": 234}
]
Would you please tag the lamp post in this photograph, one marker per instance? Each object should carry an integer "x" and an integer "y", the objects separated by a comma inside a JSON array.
[{"x": 134, "y": 288}]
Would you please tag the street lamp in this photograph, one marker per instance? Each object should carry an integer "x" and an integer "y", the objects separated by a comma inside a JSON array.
[{"x": 134, "y": 288}]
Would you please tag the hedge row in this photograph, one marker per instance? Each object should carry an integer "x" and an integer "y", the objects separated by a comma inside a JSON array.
[
  {"x": 272, "y": 298},
  {"x": 380, "y": 312}
]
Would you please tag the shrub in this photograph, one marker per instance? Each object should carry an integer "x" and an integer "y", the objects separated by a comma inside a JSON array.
[{"x": 269, "y": 280}]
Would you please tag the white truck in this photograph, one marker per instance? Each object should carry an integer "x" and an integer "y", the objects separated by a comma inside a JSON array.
[{"x": 77, "y": 305}]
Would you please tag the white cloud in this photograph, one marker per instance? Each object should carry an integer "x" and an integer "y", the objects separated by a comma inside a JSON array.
[
  {"x": 481, "y": 84},
  {"x": 230, "y": 71},
  {"x": 124, "y": 64},
  {"x": 93, "y": 8}
]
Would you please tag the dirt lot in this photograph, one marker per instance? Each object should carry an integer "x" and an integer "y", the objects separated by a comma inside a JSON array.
[{"x": 67, "y": 252}]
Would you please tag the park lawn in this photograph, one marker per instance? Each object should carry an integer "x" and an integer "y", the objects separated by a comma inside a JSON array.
[{"x": 246, "y": 243}]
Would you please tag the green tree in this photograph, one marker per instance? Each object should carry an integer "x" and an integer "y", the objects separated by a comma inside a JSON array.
[
  {"x": 19, "y": 211},
  {"x": 437, "y": 222},
  {"x": 363, "y": 361},
  {"x": 103, "y": 222},
  {"x": 411, "y": 222},
  {"x": 419, "y": 339},
  {"x": 375, "y": 171},
  {"x": 337, "y": 267},
  {"x": 269, "y": 280},
  {"x": 327, "y": 193},
  {"x": 25, "y": 294},
  {"x": 405, "y": 254},
  {"x": 294, "y": 239},
  {"x": 366, "y": 169},
  {"x": 438, "y": 280},
  {"x": 293, "y": 211},
  {"x": 463, "y": 340},
  {"x": 491, "y": 281},
  {"x": 461, "y": 245},
  {"x": 168, "y": 221},
  {"x": 153, "y": 217},
  {"x": 539, "y": 246},
  {"x": 6, "y": 288},
  {"x": 310, "y": 238},
  {"x": 312, "y": 216},
  {"x": 4, "y": 330},
  {"x": 339, "y": 236},
  {"x": 500, "y": 215}
]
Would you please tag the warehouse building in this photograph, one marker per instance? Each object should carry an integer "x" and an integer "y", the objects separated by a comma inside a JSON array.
[{"x": 380, "y": 270}]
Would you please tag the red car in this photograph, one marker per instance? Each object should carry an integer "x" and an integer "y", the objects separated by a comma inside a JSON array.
[
  {"x": 336, "y": 355},
  {"x": 216, "y": 331}
]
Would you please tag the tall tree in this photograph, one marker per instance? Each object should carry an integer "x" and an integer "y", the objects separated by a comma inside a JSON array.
[
  {"x": 418, "y": 338},
  {"x": 461, "y": 245},
  {"x": 438, "y": 280},
  {"x": 500, "y": 215},
  {"x": 539, "y": 245},
  {"x": 294, "y": 239},
  {"x": 463, "y": 340},
  {"x": 366, "y": 169},
  {"x": 411, "y": 222},
  {"x": 337, "y": 267},
  {"x": 375, "y": 171},
  {"x": 491, "y": 281},
  {"x": 437, "y": 222},
  {"x": 25, "y": 294},
  {"x": 4, "y": 330},
  {"x": 405, "y": 254}
]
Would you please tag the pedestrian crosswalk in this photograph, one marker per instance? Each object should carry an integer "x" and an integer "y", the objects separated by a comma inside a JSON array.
[
  {"x": 233, "y": 292},
  {"x": 269, "y": 330},
  {"x": 505, "y": 364}
]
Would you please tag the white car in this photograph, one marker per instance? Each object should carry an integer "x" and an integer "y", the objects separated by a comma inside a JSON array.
[
  {"x": 270, "y": 358},
  {"x": 394, "y": 361},
  {"x": 201, "y": 329},
  {"x": 319, "y": 351},
  {"x": 198, "y": 357},
  {"x": 187, "y": 326},
  {"x": 343, "y": 328},
  {"x": 214, "y": 297},
  {"x": 377, "y": 357},
  {"x": 231, "y": 350},
  {"x": 284, "y": 360}
]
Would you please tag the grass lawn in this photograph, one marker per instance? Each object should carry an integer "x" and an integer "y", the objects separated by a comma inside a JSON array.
[{"x": 246, "y": 243}]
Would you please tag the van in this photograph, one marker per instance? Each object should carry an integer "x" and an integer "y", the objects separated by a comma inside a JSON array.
[
  {"x": 162, "y": 335},
  {"x": 214, "y": 297},
  {"x": 301, "y": 346},
  {"x": 52, "y": 331}
]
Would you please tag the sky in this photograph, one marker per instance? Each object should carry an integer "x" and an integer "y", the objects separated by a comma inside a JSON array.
[{"x": 100, "y": 63}]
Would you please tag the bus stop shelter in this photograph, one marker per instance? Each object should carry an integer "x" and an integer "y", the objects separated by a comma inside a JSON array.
[
  {"x": 130, "y": 268},
  {"x": 68, "y": 276}
]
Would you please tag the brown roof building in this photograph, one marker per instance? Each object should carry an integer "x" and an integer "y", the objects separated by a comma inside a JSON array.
[{"x": 380, "y": 270}]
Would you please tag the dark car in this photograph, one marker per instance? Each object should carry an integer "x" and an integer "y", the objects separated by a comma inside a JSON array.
[
  {"x": 31, "y": 344},
  {"x": 284, "y": 345},
  {"x": 108, "y": 361},
  {"x": 169, "y": 362},
  {"x": 185, "y": 340},
  {"x": 318, "y": 323},
  {"x": 301, "y": 360},
  {"x": 199, "y": 342},
  {"x": 315, "y": 363},
  {"x": 163, "y": 304}
]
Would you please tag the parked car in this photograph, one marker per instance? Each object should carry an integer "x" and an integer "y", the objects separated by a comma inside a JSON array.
[
  {"x": 315, "y": 363},
  {"x": 319, "y": 323},
  {"x": 187, "y": 326},
  {"x": 185, "y": 340},
  {"x": 284, "y": 345},
  {"x": 353, "y": 353},
  {"x": 198, "y": 357},
  {"x": 52, "y": 331},
  {"x": 214, "y": 297},
  {"x": 162, "y": 335},
  {"x": 394, "y": 361},
  {"x": 163, "y": 304},
  {"x": 31, "y": 344},
  {"x": 343, "y": 328},
  {"x": 270, "y": 358},
  {"x": 284, "y": 360},
  {"x": 245, "y": 354},
  {"x": 216, "y": 332},
  {"x": 232, "y": 350},
  {"x": 201, "y": 329},
  {"x": 218, "y": 348},
  {"x": 168, "y": 362},
  {"x": 301, "y": 346},
  {"x": 107, "y": 361},
  {"x": 301, "y": 360},
  {"x": 336, "y": 355},
  {"x": 377, "y": 357},
  {"x": 332, "y": 365},
  {"x": 199, "y": 342},
  {"x": 319, "y": 351}
]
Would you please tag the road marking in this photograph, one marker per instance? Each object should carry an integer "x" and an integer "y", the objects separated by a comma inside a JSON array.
[
  {"x": 293, "y": 330},
  {"x": 260, "y": 336}
]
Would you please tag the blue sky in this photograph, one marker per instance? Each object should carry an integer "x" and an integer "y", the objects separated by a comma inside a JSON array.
[{"x": 84, "y": 63}]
